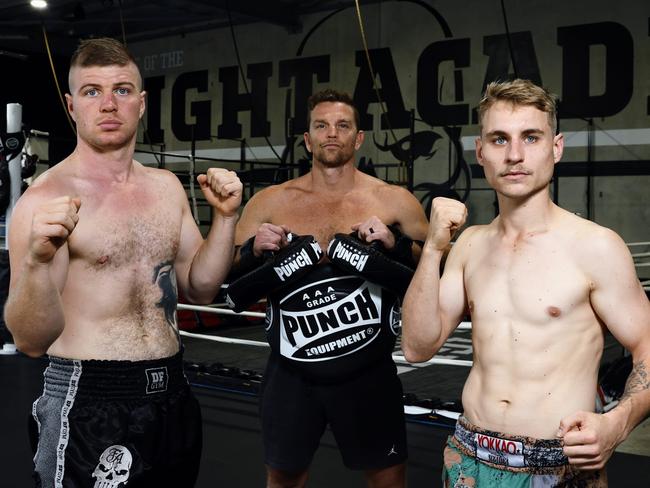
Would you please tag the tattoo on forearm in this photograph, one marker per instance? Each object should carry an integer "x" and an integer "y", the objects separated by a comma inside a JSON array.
[
  {"x": 637, "y": 381},
  {"x": 164, "y": 275}
]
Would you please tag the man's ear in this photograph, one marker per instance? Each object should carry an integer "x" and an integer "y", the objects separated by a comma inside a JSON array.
[
  {"x": 479, "y": 150},
  {"x": 307, "y": 141},
  {"x": 70, "y": 106},
  {"x": 143, "y": 99},
  {"x": 359, "y": 140},
  {"x": 558, "y": 147}
]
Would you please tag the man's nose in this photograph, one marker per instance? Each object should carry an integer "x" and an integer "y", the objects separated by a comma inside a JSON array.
[
  {"x": 108, "y": 103},
  {"x": 515, "y": 153}
]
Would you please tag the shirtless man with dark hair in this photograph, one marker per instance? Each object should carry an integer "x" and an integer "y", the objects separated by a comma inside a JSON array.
[
  {"x": 542, "y": 286},
  {"x": 100, "y": 244},
  {"x": 332, "y": 332}
]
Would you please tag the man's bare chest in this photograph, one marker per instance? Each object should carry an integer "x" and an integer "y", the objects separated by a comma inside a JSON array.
[
  {"x": 532, "y": 284},
  {"x": 109, "y": 237},
  {"x": 323, "y": 220}
]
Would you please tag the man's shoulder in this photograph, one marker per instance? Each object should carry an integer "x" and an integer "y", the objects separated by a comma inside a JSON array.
[
  {"x": 161, "y": 174},
  {"x": 591, "y": 243},
  {"x": 54, "y": 182},
  {"x": 160, "y": 179},
  {"x": 383, "y": 189},
  {"x": 578, "y": 228},
  {"x": 269, "y": 194},
  {"x": 473, "y": 233}
]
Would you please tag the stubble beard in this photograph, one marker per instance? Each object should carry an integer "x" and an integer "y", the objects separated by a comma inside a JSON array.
[{"x": 339, "y": 158}]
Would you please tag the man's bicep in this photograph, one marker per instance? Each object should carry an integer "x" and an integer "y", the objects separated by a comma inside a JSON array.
[
  {"x": 190, "y": 240},
  {"x": 453, "y": 299},
  {"x": 618, "y": 297}
]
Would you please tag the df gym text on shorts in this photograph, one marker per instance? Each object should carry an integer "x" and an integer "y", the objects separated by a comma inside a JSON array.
[{"x": 476, "y": 458}]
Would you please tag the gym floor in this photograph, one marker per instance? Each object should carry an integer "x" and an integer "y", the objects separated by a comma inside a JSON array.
[{"x": 232, "y": 452}]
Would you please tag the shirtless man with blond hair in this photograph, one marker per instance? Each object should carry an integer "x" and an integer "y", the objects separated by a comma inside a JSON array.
[
  {"x": 542, "y": 287},
  {"x": 101, "y": 245},
  {"x": 332, "y": 332}
]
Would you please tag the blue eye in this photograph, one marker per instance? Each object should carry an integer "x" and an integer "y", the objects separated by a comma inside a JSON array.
[
  {"x": 531, "y": 139},
  {"x": 91, "y": 92},
  {"x": 500, "y": 140},
  {"x": 122, "y": 91}
]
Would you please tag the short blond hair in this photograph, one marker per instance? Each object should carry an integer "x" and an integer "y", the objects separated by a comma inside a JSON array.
[{"x": 519, "y": 92}]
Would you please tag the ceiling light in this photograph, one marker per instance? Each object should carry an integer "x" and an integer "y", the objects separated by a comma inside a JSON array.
[{"x": 38, "y": 3}]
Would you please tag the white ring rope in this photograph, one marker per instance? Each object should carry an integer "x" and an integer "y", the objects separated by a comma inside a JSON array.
[
  {"x": 232, "y": 340},
  {"x": 221, "y": 311},
  {"x": 398, "y": 358},
  {"x": 225, "y": 340},
  {"x": 452, "y": 362}
]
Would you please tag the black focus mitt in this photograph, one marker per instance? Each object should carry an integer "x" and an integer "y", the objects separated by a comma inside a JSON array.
[
  {"x": 370, "y": 261},
  {"x": 284, "y": 267}
]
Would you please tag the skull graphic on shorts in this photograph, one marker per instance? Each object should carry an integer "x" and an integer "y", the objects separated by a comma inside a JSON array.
[{"x": 113, "y": 468}]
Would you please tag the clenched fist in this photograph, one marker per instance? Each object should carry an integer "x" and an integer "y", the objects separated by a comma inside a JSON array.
[
  {"x": 52, "y": 224},
  {"x": 447, "y": 216},
  {"x": 222, "y": 189}
]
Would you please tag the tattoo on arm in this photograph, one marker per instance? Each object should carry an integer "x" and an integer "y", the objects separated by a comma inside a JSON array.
[
  {"x": 637, "y": 381},
  {"x": 165, "y": 276}
]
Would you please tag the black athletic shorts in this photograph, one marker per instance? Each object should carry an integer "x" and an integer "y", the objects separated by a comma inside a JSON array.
[
  {"x": 114, "y": 424},
  {"x": 365, "y": 413}
]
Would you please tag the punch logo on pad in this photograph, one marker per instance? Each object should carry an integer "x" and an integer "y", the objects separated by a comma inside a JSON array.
[
  {"x": 156, "y": 379},
  {"x": 329, "y": 319}
]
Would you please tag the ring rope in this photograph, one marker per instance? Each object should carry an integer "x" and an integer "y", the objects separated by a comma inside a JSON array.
[
  {"x": 227, "y": 311},
  {"x": 222, "y": 311},
  {"x": 231, "y": 340},
  {"x": 225, "y": 340},
  {"x": 396, "y": 357}
]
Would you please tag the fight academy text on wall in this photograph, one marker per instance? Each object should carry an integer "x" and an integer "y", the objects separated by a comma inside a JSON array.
[{"x": 577, "y": 99}]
